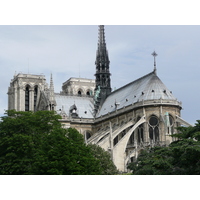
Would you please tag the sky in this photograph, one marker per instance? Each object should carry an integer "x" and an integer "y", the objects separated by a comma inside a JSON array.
[{"x": 70, "y": 51}]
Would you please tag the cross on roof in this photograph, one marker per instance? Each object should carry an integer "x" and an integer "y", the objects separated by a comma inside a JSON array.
[{"x": 154, "y": 54}]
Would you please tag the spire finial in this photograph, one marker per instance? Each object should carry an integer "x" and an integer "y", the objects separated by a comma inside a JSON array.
[
  {"x": 51, "y": 83},
  {"x": 154, "y": 54},
  {"x": 51, "y": 94},
  {"x": 101, "y": 37}
]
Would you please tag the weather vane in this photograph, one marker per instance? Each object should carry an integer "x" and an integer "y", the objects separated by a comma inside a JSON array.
[{"x": 154, "y": 54}]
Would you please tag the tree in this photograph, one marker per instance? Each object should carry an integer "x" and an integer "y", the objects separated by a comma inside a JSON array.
[
  {"x": 181, "y": 157},
  {"x": 21, "y": 133},
  {"x": 107, "y": 165},
  {"x": 36, "y": 143},
  {"x": 65, "y": 153}
]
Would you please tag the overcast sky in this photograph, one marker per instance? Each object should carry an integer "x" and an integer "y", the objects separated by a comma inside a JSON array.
[{"x": 69, "y": 51}]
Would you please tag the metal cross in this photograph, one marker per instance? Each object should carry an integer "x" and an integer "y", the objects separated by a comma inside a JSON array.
[{"x": 154, "y": 54}]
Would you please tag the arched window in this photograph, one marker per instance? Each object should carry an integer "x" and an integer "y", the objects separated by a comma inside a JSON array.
[
  {"x": 27, "y": 98},
  {"x": 171, "y": 125},
  {"x": 140, "y": 134},
  {"x": 80, "y": 92},
  {"x": 35, "y": 96},
  {"x": 88, "y": 93},
  {"x": 88, "y": 134},
  {"x": 154, "y": 128}
]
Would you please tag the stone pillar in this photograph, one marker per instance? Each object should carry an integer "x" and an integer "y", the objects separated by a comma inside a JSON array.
[
  {"x": 15, "y": 99},
  {"x": 31, "y": 99},
  {"x": 22, "y": 99},
  {"x": 146, "y": 132},
  {"x": 18, "y": 98},
  {"x": 10, "y": 98}
]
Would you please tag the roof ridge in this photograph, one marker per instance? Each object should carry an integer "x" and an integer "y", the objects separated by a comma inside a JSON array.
[{"x": 133, "y": 82}]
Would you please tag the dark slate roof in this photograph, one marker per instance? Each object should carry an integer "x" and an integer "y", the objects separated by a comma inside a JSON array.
[
  {"x": 148, "y": 87},
  {"x": 84, "y": 105}
]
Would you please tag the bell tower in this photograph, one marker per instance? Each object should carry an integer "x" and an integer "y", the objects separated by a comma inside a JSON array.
[{"x": 103, "y": 87}]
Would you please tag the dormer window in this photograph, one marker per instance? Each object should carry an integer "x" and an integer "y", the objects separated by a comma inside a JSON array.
[{"x": 73, "y": 111}]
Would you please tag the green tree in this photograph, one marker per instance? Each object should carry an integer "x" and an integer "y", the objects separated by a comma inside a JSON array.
[
  {"x": 36, "y": 143},
  {"x": 181, "y": 157},
  {"x": 65, "y": 153},
  {"x": 107, "y": 165}
]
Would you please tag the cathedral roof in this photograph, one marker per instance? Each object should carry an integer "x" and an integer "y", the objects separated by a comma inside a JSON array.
[
  {"x": 84, "y": 105},
  {"x": 148, "y": 87}
]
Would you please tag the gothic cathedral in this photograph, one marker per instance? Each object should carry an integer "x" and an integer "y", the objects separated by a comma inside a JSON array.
[{"x": 140, "y": 114}]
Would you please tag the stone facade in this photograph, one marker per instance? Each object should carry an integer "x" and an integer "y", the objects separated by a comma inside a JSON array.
[
  {"x": 24, "y": 91},
  {"x": 126, "y": 131},
  {"x": 79, "y": 86}
]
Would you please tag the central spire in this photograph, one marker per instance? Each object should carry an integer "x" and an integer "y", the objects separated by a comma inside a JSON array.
[{"x": 103, "y": 88}]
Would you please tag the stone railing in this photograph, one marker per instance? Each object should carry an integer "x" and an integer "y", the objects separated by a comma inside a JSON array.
[{"x": 153, "y": 102}]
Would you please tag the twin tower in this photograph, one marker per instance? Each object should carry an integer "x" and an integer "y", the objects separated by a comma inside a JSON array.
[{"x": 26, "y": 91}]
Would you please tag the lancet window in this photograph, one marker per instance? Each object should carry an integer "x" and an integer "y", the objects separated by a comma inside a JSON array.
[
  {"x": 35, "y": 96},
  {"x": 27, "y": 98},
  {"x": 170, "y": 128},
  {"x": 140, "y": 134}
]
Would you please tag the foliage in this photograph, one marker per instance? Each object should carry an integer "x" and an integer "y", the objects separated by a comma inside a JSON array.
[
  {"x": 36, "y": 143},
  {"x": 181, "y": 157},
  {"x": 65, "y": 153},
  {"x": 107, "y": 166}
]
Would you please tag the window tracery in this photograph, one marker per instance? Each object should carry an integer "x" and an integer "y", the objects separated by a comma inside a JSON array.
[{"x": 154, "y": 128}]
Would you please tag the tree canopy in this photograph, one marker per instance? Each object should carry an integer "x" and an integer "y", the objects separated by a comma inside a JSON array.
[
  {"x": 107, "y": 166},
  {"x": 181, "y": 157},
  {"x": 36, "y": 143}
]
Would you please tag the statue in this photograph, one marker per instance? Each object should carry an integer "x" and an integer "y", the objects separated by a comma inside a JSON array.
[{"x": 97, "y": 93}]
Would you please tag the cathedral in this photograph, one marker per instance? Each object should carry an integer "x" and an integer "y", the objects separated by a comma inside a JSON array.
[{"x": 143, "y": 113}]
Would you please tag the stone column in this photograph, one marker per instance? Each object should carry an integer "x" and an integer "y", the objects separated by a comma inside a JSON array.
[
  {"x": 21, "y": 99},
  {"x": 15, "y": 99},
  {"x": 31, "y": 99}
]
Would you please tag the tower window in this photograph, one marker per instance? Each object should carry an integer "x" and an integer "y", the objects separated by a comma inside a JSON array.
[
  {"x": 27, "y": 98},
  {"x": 35, "y": 96},
  {"x": 79, "y": 93}
]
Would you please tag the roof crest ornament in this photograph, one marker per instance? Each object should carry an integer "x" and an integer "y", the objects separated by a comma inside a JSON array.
[{"x": 154, "y": 54}]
